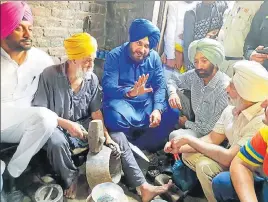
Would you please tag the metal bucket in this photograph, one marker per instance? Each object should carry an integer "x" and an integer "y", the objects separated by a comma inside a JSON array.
[
  {"x": 107, "y": 192},
  {"x": 102, "y": 167}
]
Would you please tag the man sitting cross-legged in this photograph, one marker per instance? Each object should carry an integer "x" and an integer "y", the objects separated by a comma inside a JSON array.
[
  {"x": 207, "y": 85},
  {"x": 238, "y": 123},
  {"x": 71, "y": 90},
  {"x": 135, "y": 89}
]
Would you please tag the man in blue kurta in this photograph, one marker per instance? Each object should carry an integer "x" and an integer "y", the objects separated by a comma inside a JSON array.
[{"x": 135, "y": 90}]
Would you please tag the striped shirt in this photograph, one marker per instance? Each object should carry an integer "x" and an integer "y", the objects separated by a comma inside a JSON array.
[
  {"x": 255, "y": 151},
  {"x": 208, "y": 101}
]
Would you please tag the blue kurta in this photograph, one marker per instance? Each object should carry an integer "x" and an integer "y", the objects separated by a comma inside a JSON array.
[{"x": 127, "y": 114}]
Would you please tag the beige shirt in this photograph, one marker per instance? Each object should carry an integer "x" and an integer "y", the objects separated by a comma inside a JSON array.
[
  {"x": 236, "y": 26},
  {"x": 239, "y": 129}
]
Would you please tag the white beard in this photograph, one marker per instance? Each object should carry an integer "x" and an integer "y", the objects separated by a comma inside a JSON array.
[
  {"x": 82, "y": 74},
  {"x": 237, "y": 103}
]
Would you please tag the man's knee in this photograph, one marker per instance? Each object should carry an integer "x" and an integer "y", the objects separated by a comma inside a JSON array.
[
  {"x": 113, "y": 120},
  {"x": 175, "y": 133},
  {"x": 120, "y": 138},
  {"x": 205, "y": 170},
  {"x": 57, "y": 142},
  {"x": 222, "y": 187}
]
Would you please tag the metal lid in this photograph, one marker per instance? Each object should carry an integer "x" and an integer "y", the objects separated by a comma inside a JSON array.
[{"x": 49, "y": 193}]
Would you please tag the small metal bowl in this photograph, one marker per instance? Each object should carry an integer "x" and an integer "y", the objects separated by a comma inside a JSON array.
[{"x": 108, "y": 189}]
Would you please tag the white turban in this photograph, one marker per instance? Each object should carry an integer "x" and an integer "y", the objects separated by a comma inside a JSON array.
[
  {"x": 251, "y": 80},
  {"x": 210, "y": 48}
]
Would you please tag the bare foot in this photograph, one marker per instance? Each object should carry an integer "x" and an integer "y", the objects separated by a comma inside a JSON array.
[
  {"x": 148, "y": 191},
  {"x": 71, "y": 191}
]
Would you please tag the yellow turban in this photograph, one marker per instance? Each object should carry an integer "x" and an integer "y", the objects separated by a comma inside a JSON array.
[
  {"x": 80, "y": 45},
  {"x": 251, "y": 80}
]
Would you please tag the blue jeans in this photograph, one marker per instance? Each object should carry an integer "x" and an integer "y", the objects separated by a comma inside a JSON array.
[{"x": 224, "y": 191}]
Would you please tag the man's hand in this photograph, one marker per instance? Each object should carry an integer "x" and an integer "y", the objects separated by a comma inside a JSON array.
[
  {"x": 182, "y": 120},
  {"x": 139, "y": 87},
  {"x": 164, "y": 58},
  {"x": 155, "y": 118},
  {"x": 116, "y": 152},
  {"x": 75, "y": 130},
  {"x": 174, "y": 101},
  {"x": 174, "y": 145},
  {"x": 178, "y": 142},
  {"x": 168, "y": 147},
  {"x": 171, "y": 63},
  {"x": 258, "y": 57}
]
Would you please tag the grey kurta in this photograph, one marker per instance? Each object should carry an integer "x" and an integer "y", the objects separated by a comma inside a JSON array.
[{"x": 55, "y": 93}]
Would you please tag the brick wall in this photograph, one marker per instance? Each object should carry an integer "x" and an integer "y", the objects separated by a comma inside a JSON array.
[
  {"x": 119, "y": 15},
  {"x": 56, "y": 20}
]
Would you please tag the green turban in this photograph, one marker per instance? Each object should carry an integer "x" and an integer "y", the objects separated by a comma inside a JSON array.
[{"x": 210, "y": 48}]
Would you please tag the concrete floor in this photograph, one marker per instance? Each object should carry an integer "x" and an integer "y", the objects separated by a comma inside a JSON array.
[
  {"x": 30, "y": 182},
  {"x": 83, "y": 192}
]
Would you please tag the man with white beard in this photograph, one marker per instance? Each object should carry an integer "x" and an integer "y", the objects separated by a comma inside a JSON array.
[
  {"x": 71, "y": 90},
  {"x": 238, "y": 123}
]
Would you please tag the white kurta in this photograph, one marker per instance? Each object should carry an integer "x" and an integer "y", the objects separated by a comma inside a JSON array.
[
  {"x": 174, "y": 28},
  {"x": 237, "y": 21},
  {"x": 21, "y": 123}
]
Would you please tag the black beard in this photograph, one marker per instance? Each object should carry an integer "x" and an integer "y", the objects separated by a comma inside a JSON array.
[
  {"x": 135, "y": 59},
  {"x": 17, "y": 46},
  {"x": 202, "y": 75},
  {"x": 206, "y": 73}
]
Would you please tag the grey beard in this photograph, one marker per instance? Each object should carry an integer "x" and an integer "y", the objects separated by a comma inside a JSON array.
[{"x": 82, "y": 74}]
